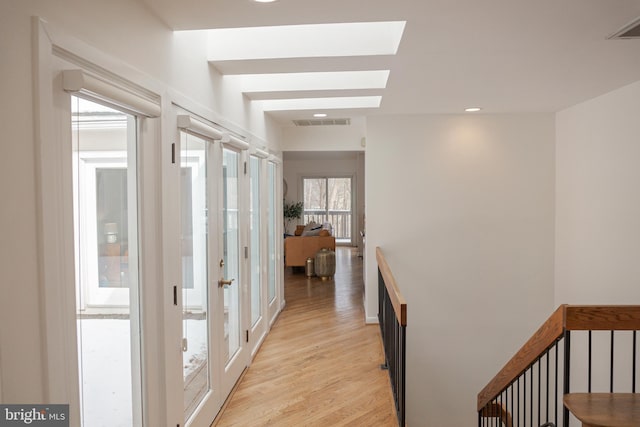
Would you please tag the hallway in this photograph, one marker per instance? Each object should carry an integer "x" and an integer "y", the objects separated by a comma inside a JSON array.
[{"x": 320, "y": 364}]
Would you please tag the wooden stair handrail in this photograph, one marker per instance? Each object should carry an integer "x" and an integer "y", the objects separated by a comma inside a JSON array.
[
  {"x": 565, "y": 318},
  {"x": 397, "y": 300},
  {"x": 602, "y": 317}
]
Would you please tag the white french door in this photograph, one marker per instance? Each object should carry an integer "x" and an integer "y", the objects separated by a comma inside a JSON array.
[
  {"x": 232, "y": 281},
  {"x": 214, "y": 303}
]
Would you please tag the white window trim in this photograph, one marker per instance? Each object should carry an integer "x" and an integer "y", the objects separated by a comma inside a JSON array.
[
  {"x": 198, "y": 128},
  {"x": 206, "y": 131},
  {"x": 81, "y": 83}
]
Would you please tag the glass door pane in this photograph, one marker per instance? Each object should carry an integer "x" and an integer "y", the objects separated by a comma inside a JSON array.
[
  {"x": 231, "y": 252},
  {"x": 256, "y": 295},
  {"x": 194, "y": 236},
  {"x": 339, "y": 207},
  {"x": 271, "y": 182},
  {"x": 106, "y": 262},
  {"x": 315, "y": 200}
]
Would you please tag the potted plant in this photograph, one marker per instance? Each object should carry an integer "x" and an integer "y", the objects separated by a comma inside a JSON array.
[{"x": 291, "y": 211}]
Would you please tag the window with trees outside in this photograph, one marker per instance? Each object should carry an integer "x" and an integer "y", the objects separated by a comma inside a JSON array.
[{"x": 329, "y": 200}]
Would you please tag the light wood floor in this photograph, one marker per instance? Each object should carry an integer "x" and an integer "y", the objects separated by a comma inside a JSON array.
[{"x": 320, "y": 364}]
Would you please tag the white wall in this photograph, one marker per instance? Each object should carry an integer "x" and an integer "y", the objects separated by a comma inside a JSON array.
[
  {"x": 598, "y": 200},
  {"x": 127, "y": 32},
  {"x": 463, "y": 207},
  {"x": 21, "y": 349}
]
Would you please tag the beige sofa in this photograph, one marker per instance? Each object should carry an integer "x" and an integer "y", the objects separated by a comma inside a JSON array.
[{"x": 298, "y": 248}]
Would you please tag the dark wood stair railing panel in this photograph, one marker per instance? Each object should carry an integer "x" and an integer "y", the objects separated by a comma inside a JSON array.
[
  {"x": 392, "y": 315},
  {"x": 545, "y": 341}
]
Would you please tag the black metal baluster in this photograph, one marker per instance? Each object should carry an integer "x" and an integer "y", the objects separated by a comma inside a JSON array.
[
  {"x": 589, "y": 374},
  {"x": 633, "y": 364},
  {"x": 404, "y": 374},
  {"x": 555, "y": 398},
  {"x": 539, "y": 388},
  {"x": 547, "y": 393},
  {"x": 512, "y": 407},
  {"x": 531, "y": 396},
  {"x": 611, "y": 378},
  {"x": 500, "y": 410},
  {"x": 518, "y": 393},
  {"x": 505, "y": 404},
  {"x": 567, "y": 376},
  {"x": 524, "y": 398},
  {"x": 492, "y": 418},
  {"x": 506, "y": 398}
]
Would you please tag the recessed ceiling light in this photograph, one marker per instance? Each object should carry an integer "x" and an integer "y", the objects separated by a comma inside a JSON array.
[
  {"x": 319, "y": 115},
  {"x": 472, "y": 109},
  {"x": 264, "y": 1}
]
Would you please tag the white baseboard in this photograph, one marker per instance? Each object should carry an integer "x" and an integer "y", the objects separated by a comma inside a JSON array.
[{"x": 371, "y": 320}]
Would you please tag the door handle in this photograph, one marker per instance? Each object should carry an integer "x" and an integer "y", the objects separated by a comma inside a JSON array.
[{"x": 223, "y": 282}]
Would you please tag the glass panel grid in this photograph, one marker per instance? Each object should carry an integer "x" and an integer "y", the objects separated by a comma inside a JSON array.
[
  {"x": 255, "y": 213},
  {"x": 231, "y": 251},
  {"x": 271, "y": 237},
  {"x": 194, "y": 244}
]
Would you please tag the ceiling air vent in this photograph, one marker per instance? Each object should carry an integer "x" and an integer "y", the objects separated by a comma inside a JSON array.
[
  {"x": 629, "y": 31},
  {"x": 323, "y": 122}
]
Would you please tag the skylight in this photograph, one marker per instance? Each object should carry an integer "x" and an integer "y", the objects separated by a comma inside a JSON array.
[
  {"x": 338, "y": 80},
  {"x": 321, "y": 103},
  {"x": 305, "y": 41}
]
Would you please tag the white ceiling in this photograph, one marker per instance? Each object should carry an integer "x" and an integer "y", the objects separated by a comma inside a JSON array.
[{"x": 503, "y": 55}]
